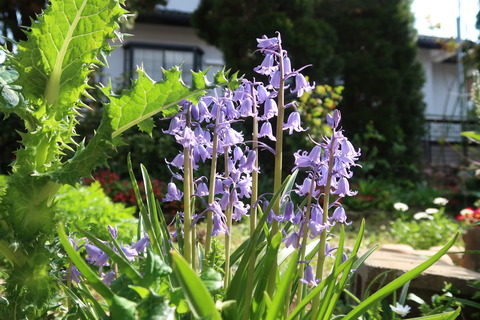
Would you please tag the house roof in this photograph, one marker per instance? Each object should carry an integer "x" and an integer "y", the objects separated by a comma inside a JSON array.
[{"x": 167, "y": 17}]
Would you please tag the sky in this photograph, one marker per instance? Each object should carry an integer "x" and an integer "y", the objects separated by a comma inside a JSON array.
[
  {"x": 445, "y": 13},
  {"x": 441, "y": 12}
]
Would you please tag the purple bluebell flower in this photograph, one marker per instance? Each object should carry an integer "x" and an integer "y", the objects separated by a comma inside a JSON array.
[
  {"x": 201, "y": 190},
  {"x": 113, "y": 231},
  {"x": 343, "y": 188},
  {"x": 75, "y": 273},
  {"x": 293, "y": 123},
  {"x": 268, "y": 43},
  {"x": 141, "y": 244},
  {"x": 173, "y": 194},
  {"x": 96, "y": 256},
  {"x": 130, "y": 253},
  {"x": 339, "y": 216},
  {"x": 304, "y": 189},
  {"x": 186, "y": 138},
  {"x": 266, "y": 131},
  {"x": 309, "y": 276},
  {"x": 109, "y": 277},
  {"x": 301, "y": 85},
  {"x": 293, "y": 239},
  {"x": 270, "y": 109}
]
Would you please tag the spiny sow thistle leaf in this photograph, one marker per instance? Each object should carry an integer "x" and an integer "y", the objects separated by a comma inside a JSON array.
[
  {"x": 63, "y": 44},
  {"x": 9, "y": 95},
  {"x": 148, "y": 98}
]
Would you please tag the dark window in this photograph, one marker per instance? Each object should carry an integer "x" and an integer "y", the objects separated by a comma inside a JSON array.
[{"x": 153, "y": 57}]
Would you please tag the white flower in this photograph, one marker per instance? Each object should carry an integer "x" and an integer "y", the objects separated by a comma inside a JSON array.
[
  {"x": 440, "y": 201},
  {"x": 422, "y": 215},
  {"x": 400, "y": 310},
  {"x": 466, "y": 212},
  {"x": 400, "y": 206},
  {"x": 431, "y": 210}
]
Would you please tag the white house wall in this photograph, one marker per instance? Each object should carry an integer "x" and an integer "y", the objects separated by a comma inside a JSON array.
[
  {"x": 441, "y": 91},
  {"x": 162, "y": 34}
]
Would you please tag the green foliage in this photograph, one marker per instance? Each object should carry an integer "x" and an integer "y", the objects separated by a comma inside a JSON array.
[
  {"x": 314, "y": 105},
  {"x": 91, "y": 209},
  {"x": 424, "y": 233},
  {"x": 382, "y": 80}
]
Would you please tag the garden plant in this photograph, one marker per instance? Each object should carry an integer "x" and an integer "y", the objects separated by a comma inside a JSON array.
[{"x": 277, "y": 273}]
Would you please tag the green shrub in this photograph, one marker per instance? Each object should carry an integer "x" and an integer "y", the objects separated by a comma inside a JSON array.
[
  {"x": 425, "y": 229},
  {"x": 91, "y": 209}
]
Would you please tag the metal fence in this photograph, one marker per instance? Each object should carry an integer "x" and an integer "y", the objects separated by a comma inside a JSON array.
[{"x": 444, "y": 144}]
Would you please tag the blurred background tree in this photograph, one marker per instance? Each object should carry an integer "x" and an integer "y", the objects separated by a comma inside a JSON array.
[{"x": 383, "y": 82}]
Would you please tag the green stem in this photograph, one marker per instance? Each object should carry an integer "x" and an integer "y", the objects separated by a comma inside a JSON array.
[
  {"x": 187, "y": 198},
  {"x": 193, "y": 230},
  {"x": 228, "y": 235},
  {"x": 277, "y": 182},
  {"x": 301, "y": 268},
  {"x": 211, "y": 193},
  {"x": 323, "y": 236},
  {"x": 253, "y": 225}
]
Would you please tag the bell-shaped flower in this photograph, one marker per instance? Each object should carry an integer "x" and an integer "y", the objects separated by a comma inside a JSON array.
[
  {"x": 343, "y": 188},
  {"x": 270, "y": 109},
  {"x": 247, "y": 164},
  {"x": 202, "y": 189},
  {"x": 239, "y": 210},
  {"x": 268, "y": 65},
  {"x": 219, "y": 220},
  {"x": 309, "y": 276},
  {"x": 246, "y": 108},
  {"x": 334, "y": 121},
  {"x": 287, "y": 65},
  {"x": 141, "y": 244},
  {"x": 293, "y": 239},
  {"x": 109, "y": 277},
  {"x": 293, "y": 123},
  {"x": 266, "y": 131},
  {"x": 268, "y": 43},
  {"x": 113, "y": 231},
  {"x": 289, "y": 212},
  {"x": 339, "y": 216},
  {"x": 275, "y": 79},
  {"x": 262, "y": 93},
  {"x": 130, "y": 253},
  {"x": 305, "y": 188},
  {"x": 96, "y": 256},
  {"x": 301, "y": 85},
  {"x": 187, "y": 138},
  {"x": 173, "y": 194}
]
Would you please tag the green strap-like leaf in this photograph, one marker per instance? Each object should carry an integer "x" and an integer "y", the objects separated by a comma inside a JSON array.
[
  {"x": 397, "y": 283},
  {"x": 442, "y": 316},
  {"x": 197, "y": 295},
  {"x": 82, "y": 266}
]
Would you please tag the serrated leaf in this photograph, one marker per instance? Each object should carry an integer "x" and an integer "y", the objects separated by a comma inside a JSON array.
[
  {"x": 147, "y": 98},
  {"x": 155, "y": 307},
  {"x": 122, "y": 309},
  {"x": 147, "y": 126},
  {"x": 211, "y": 279},
  {"x": 155, "y": 269},
  {"x": 63, "y": 44}
]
